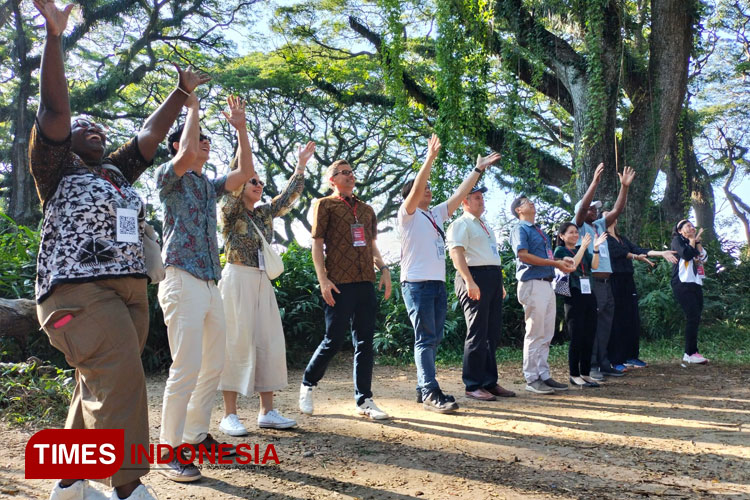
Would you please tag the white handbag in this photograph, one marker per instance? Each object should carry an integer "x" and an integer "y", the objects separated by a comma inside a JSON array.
[{"x": 272, "y": 260}]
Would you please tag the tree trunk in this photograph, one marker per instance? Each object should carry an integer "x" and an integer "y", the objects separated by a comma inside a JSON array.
[
  {"x": 23, "y": 205},
  {"x": 657, "y": 103},
  {"x": 18, "y": 320}
]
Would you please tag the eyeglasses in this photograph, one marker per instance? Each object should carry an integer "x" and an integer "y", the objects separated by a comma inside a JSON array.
[
  {"x": 204, "y": 138},
  {"x": 83, "y": 123},
  {"x": 345, "y": 173},
  {"x": 257, "y": 182}
]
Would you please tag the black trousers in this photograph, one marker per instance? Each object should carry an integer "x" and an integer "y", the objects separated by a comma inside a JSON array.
[
  {"x": 690, "y": 298},
  {"x": 355, "y": 309},
  {"x": 484, "y": 324},
  {"x": 624, "y": 342},
  {"x": 580, "y": 319}
]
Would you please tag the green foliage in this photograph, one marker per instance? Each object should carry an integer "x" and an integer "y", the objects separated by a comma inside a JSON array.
[
  {"x": 30, "y": 396},
  {"x": 18, "y": 249}
]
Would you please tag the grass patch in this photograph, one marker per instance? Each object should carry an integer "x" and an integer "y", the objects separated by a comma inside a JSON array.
[{"x": 34, "y": 396}]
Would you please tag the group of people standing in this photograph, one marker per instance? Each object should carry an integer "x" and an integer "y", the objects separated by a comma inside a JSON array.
[{"x": 92, "y": 275}]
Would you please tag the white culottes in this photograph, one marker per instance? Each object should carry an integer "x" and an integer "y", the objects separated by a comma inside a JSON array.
[{"x": 255, "y": 359}]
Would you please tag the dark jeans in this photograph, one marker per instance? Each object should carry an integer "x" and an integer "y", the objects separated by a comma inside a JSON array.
[
  {"x": 690, "y": 297},
  {"x": 426, "y": 302},
  {"x": 626, "y": 325},
  {"x": 605, "y": 304},
  {"x": 580, "y": 318},
  {"x": 484, "y": 323},
  {"x": 355, "y": 308}
]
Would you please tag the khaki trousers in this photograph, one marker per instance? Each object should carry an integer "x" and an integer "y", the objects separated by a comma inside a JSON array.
[
  {"x": 539, "y": 307},
  {"x": 103, "y": 342},
  {"x": 194, "y": 315}
]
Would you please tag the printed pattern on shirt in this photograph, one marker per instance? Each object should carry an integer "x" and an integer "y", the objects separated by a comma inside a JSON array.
[
  {"x": 242, "y": 241},
  {"x": 189, "y": 204},
  {"x": 332, "y": 222},
  {"x": 79, "y": 232}
]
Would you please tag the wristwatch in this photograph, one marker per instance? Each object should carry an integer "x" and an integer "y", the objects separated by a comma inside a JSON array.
[{"x": 478, "y": 170}]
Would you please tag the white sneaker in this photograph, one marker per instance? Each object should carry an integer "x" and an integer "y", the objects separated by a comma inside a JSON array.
[
  {"x": 694, "y": 359},
  {"x": 80, "y": 490},
  {"x": 274, "y": 420},
  {"x": 232, "y": 426},
  {"x": 370, "y": 409},
  {"x": 142, "y": 492},
  {"x": 305, "y": 399}
]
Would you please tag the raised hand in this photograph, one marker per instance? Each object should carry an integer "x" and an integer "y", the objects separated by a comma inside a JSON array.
[
  {"x": 485, "y": 161},
  {"x": 600, "y": 240},
  {"x": 627, "y": 176},
  {"x": 188, "y": 79},
  {"x": 304, "y": 153},
  {"x": 586, "y": 240},
  {"x": 699, "y": 234},
  {"x": 598, "y": 174},
  {"x": 55, "y": 19},
  {"x": 433, "y": 147},
  {"x": 236, "y": 115}
]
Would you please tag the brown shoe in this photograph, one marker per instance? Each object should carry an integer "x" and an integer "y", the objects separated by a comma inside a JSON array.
[
  {"x": 480, "y": 394},
  {"x": 209, "y": 442},
  {"x": 500, "y": 392}
]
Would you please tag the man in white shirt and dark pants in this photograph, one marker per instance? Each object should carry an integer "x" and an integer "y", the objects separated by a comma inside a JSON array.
[
  {"x": 479, "y": 287},
  {"x": 423, "y": 270}
]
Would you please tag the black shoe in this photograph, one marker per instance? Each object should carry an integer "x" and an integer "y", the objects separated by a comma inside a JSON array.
[
  {"x": 448, "y": 397},
  {"x": 610, "y": 371},
  {"x": 437, "y": 401}
]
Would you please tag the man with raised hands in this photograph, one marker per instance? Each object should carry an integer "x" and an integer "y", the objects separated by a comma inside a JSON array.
[{"x": 423, "y": 243}]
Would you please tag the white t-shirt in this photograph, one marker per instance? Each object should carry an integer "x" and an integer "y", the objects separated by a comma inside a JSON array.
[{"x": 422, "y": 246}]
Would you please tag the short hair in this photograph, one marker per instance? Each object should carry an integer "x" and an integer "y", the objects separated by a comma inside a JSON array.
[
  {"x": 517, "y": 203},
  {"x": 333, "y": 168},
  {"x": 562, "y": 230},
  {"x": 175, "y": 137},
  {"x": 406, "y": 188}
]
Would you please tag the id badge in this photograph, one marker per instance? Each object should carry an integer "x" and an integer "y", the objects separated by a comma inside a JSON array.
[
  {"x": 550, "y": 256},
  {"x": 585, "y": 286},
  {"x": 440, "y": 249},
  {"x": 127, "y": 225},
  {"x": 603, "y": 251},
  {"x": 701, "y": 271},
  {"x": 493, "y": 249},
  {"x": 261, "y": 260},
  {"x": 358, "y": 235}
]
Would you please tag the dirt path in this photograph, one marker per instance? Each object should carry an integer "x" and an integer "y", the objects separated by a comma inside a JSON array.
[{"x": 663, "y": 431}]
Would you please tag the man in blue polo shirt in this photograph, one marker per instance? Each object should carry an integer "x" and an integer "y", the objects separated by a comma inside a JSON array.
[
  {"x": 535, "y": 270},
  {"x": 588, "y": 221}
]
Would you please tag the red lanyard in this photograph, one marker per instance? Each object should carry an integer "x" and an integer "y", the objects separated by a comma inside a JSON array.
[
  {"x": 484, "y": 227},
  {"x": 105, "y": 176},
  {"x": 434, "y": 224},
  {"x": 572, "y": 254},
  {"x": 544, "y": 236},
  {"x": 352, "y": 208}
]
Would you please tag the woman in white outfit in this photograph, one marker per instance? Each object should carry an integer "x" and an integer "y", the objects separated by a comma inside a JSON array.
[{"x": 255, "y": 353}]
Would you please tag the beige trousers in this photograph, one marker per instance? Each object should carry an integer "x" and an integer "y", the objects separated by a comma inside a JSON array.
[
  {"x": 539, "y": 307},
  {"x": 103, "y": 342},
  {"x": 255, "y": 359},
  {"x": 194, "y": 316}
]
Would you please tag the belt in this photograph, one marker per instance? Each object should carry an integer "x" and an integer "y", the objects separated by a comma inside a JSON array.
[
  {"x": 601, "y": 280},
  {"x": 546, "y": 279}
]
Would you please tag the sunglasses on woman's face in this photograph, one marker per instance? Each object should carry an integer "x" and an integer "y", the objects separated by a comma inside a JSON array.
[
  {"x": 204, "y": 138},
  {"x": 257, "y": 182}
]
